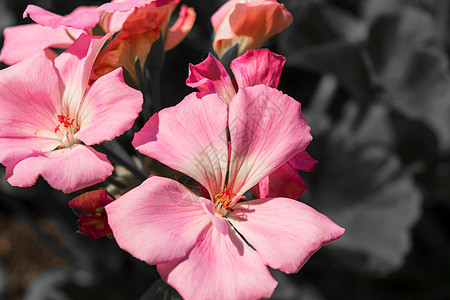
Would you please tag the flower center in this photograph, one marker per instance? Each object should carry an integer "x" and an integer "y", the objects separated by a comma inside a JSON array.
[
  {"x": 223, "y": 201},
  {"x": 66, "y": 129}
]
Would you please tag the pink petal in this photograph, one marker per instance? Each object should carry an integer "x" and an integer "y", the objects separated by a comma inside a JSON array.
[
  {"x": 284, "y": 232},
  {"x": 258, "y": 67},
  {"x": 30, "y": 104},
  {"x": 303, "y": 161},
  {"x": 74, "y": 66},
  {"x": 191, "y": 138},
  {"x": 181, "y": 28},
  {"x": 125, "y": 5},
  {"x": 81, "y": 18},
  {"x": 284, "y": 182},
  {"x": 218, "y": 222},
  {"x": 18, "y": 148},
  {"x": 29, "y": 97},
  {"x": 267, "y": 128},
  {"x": 209, "y": 77},
  {"x": 219, "y": 267},
  {"x": 158, "y": 221},
  {"x": 219, "y": 16},
  {"x": 109, "y": 109},
  {"x": 25, "y": 40},
  {"x": 224, "y": 37},
  {"x": 113, "y": 22},
  {"x": 68, "y": 169}
]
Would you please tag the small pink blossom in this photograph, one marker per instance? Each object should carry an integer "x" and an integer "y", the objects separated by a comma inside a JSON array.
[
  {"x": 202, "y": 246},
  {"x": 254, "y": 67},
  {"x": 248, "y": 23},
  {"x": 50, "y": 116}
]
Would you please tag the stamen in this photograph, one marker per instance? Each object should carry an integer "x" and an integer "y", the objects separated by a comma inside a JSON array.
[
  {"x": 223, "y": 201},
  {"x": 66, "y": 131},
  {"x": 65, "y": 120}
]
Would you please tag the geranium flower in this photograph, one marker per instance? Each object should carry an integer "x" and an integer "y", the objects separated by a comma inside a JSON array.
[
  {"x": 50, "y": 115},
  {"x": 57, "y": 31},
  {"x": 248, "y": 23},
  {"x": 254, "y": 67},
  {"x": 218, "y": 248}
]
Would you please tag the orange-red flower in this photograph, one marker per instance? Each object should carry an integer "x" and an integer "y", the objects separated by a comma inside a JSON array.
[{"x": 139, "y": 32}]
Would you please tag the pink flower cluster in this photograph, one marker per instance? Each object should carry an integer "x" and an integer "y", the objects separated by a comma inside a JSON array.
[{"x": 235, "y": 135}]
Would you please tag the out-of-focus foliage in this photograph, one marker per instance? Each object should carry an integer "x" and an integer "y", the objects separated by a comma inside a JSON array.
[{"x": 364, "y": 188}]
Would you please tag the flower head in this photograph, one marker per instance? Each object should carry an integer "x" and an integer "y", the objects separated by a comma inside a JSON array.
[
  {"x": 252, "y": 68},
  {"x": 221, "y": 244},
  {"x": 50, "y": 115},
  {"x": 247, "y": 23}
]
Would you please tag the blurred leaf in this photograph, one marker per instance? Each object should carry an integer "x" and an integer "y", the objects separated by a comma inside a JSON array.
[
  {"x": 59, "y": 284},
  {"x": 414, "y": 74},
  {"x": 317, "y": 22},
  {"x": 160, "y": 291},
  {"x": 319, "y": 122},
  {"x": 6, "y": 17},
  {"x": 48, "y": 285},
  {"x": 326, "y": 39},
  {"x": 371, "y": 10},
  {"x": 393, "y": 37},
  {"x": 365, "y": 189},
  {"x": 424, "y": 91},
  {"x": 377, "y": 128},
  {"x": 289, "y": 289},
  {"x": 414, "y": 140},
  {"x": 340, "y": 58}
]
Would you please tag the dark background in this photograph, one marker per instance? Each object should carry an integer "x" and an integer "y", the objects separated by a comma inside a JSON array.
[{"x": 374, "y": 82}]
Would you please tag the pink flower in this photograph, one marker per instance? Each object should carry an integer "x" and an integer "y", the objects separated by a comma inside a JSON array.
[
  {"x": 254, "y": 67},
  {"x": 93, "y": 220},
  {"x": 248, "y": 23},
  {"x": 198, "y": 243},
  {"x": 58, "y": 31},
  {"x": 50, "y": 116}
]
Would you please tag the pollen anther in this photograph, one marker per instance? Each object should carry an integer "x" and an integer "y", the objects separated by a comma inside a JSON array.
[
  {"x": 224, "y": 201},
  {"x": 66, "y": 129}
]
